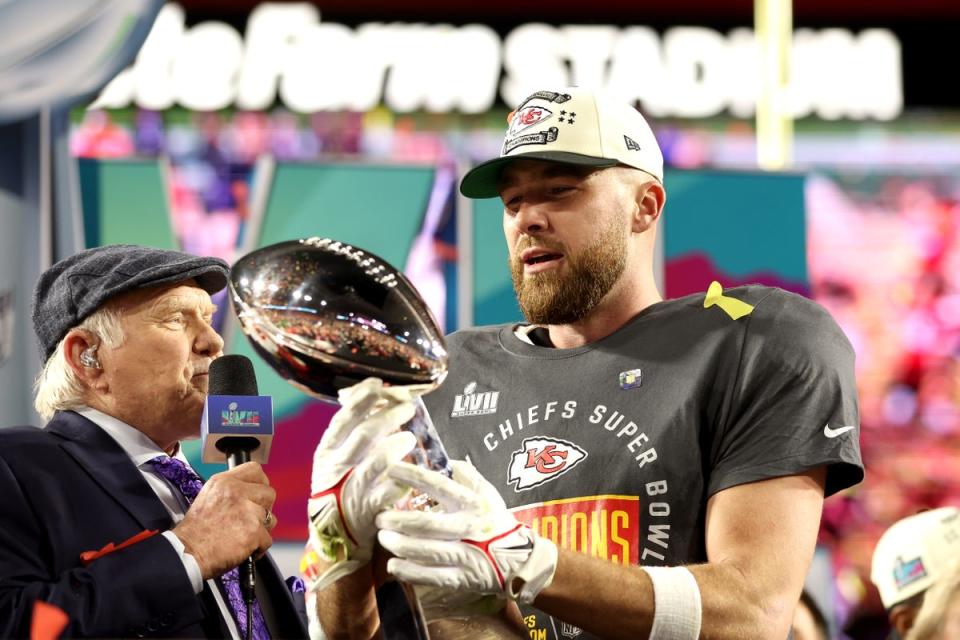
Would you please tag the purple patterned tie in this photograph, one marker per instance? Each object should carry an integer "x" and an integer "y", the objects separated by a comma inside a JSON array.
[{"x": 189, "y": 483}]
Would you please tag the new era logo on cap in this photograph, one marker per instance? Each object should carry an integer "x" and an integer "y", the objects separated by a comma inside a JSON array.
[{"x": 572, "y": 126}]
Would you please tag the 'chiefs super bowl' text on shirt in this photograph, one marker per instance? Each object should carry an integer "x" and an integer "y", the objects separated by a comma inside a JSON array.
[{"x": 613, "y": 449}]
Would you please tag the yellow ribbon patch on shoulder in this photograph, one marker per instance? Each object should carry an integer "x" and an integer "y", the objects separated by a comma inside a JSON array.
[{"x": 734, "y": 308}]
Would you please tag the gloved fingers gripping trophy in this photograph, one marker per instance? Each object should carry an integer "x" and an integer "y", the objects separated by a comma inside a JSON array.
[
  {"x": 473, "y": 545},
  {"x": 467, "y": 555},
  {"x": 349, "y": 486}
]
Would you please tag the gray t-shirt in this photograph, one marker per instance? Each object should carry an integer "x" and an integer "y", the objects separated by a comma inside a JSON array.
[{"x": 614, "y": 448}]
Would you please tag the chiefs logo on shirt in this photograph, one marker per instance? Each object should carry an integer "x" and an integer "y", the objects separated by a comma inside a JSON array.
[{"x": 541, "y": 460}]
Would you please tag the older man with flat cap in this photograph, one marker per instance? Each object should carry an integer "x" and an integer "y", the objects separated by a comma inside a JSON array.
[{"x": 102, "y": 515}]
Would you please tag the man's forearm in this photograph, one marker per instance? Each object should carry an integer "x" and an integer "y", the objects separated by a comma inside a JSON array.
[
  {"x": 760, "y": 538},
  {"x": 348, "y": 607},
  {"x": 621, "y": 602}
]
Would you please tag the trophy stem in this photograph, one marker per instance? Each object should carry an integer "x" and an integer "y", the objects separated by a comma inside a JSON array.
[
  {"x": 431, "y": 454},
  {"x": 428, "y": 453},
  {"x": 416, "y": 611}
]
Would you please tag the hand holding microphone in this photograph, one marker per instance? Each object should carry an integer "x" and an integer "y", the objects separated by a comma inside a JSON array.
[{"x": 227, "y": 523}]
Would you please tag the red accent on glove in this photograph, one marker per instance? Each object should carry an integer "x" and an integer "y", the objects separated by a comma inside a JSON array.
[
  {"x": 89, "y": 556},
  {"x": 48, "y": 622},
  {"x": 337, "y": 490},
  {"x": 484, "y": 545}
]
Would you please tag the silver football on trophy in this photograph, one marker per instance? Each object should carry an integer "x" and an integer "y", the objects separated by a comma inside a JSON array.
[{"x": 325, "y": 315}]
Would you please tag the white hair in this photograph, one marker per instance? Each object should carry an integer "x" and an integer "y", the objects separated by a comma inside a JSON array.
[{"x": 58, "y": 387}]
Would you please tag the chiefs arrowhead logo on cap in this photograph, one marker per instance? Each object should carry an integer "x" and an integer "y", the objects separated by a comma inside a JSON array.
[{"x": 527, "y": 117}]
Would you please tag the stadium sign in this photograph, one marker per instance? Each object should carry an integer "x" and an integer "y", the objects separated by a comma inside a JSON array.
[{"x": 310, "y": 65}]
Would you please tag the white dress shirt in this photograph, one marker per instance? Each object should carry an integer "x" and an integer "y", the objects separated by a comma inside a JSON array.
[{"x": 141, "y": 450}]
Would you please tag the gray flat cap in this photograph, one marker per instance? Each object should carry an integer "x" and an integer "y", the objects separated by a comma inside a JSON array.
[{"x": 71, "y": 290}]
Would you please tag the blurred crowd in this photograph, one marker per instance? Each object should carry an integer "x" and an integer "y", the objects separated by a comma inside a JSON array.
[
  {"x": 884, "y": 258},
  {"x": 213, "y": 156}
]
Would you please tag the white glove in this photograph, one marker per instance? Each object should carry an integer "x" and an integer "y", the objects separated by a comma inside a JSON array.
[
  {"x": 348, "y": 485},
  {"x": 475, "y": 544}
]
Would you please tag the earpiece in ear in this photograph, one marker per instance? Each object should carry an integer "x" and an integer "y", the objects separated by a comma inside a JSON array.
[{"x": 89, "y": 358}]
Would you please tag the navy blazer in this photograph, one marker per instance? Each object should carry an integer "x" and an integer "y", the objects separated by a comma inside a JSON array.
[{"x": 70, "y": 488}]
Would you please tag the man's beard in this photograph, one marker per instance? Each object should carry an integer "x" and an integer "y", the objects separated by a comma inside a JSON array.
[{"x": 551, "y": 297}]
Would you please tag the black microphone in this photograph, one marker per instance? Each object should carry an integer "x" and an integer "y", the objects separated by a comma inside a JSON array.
[
  {"x": 237, "y": 422},
  {"x": 237, "y": 428}
]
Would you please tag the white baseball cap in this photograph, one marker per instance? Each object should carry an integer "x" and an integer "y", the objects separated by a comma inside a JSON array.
[
  {"x": 572, "y": 126},
  {"x": 913, "y": 553}
]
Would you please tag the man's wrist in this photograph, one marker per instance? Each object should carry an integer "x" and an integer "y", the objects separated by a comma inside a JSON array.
[
  {"x": 678, "y": 609},
  {"x": 348, "y": 607},
  {"x": 190, "y": 564},
  {"x": 537, "y": 572}
]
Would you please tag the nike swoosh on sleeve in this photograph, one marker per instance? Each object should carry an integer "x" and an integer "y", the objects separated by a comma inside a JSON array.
[{"x": 833, "y": 433}]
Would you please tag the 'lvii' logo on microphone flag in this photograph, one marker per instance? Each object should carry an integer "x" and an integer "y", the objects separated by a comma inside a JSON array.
[{"x": 233, "y": 417}]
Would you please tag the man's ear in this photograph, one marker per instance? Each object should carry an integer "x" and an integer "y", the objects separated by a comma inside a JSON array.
[
  {"x": 902, "y": 618},
  {"x": 650, "y": 198},
  {"x": 80, "y": 350}
]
